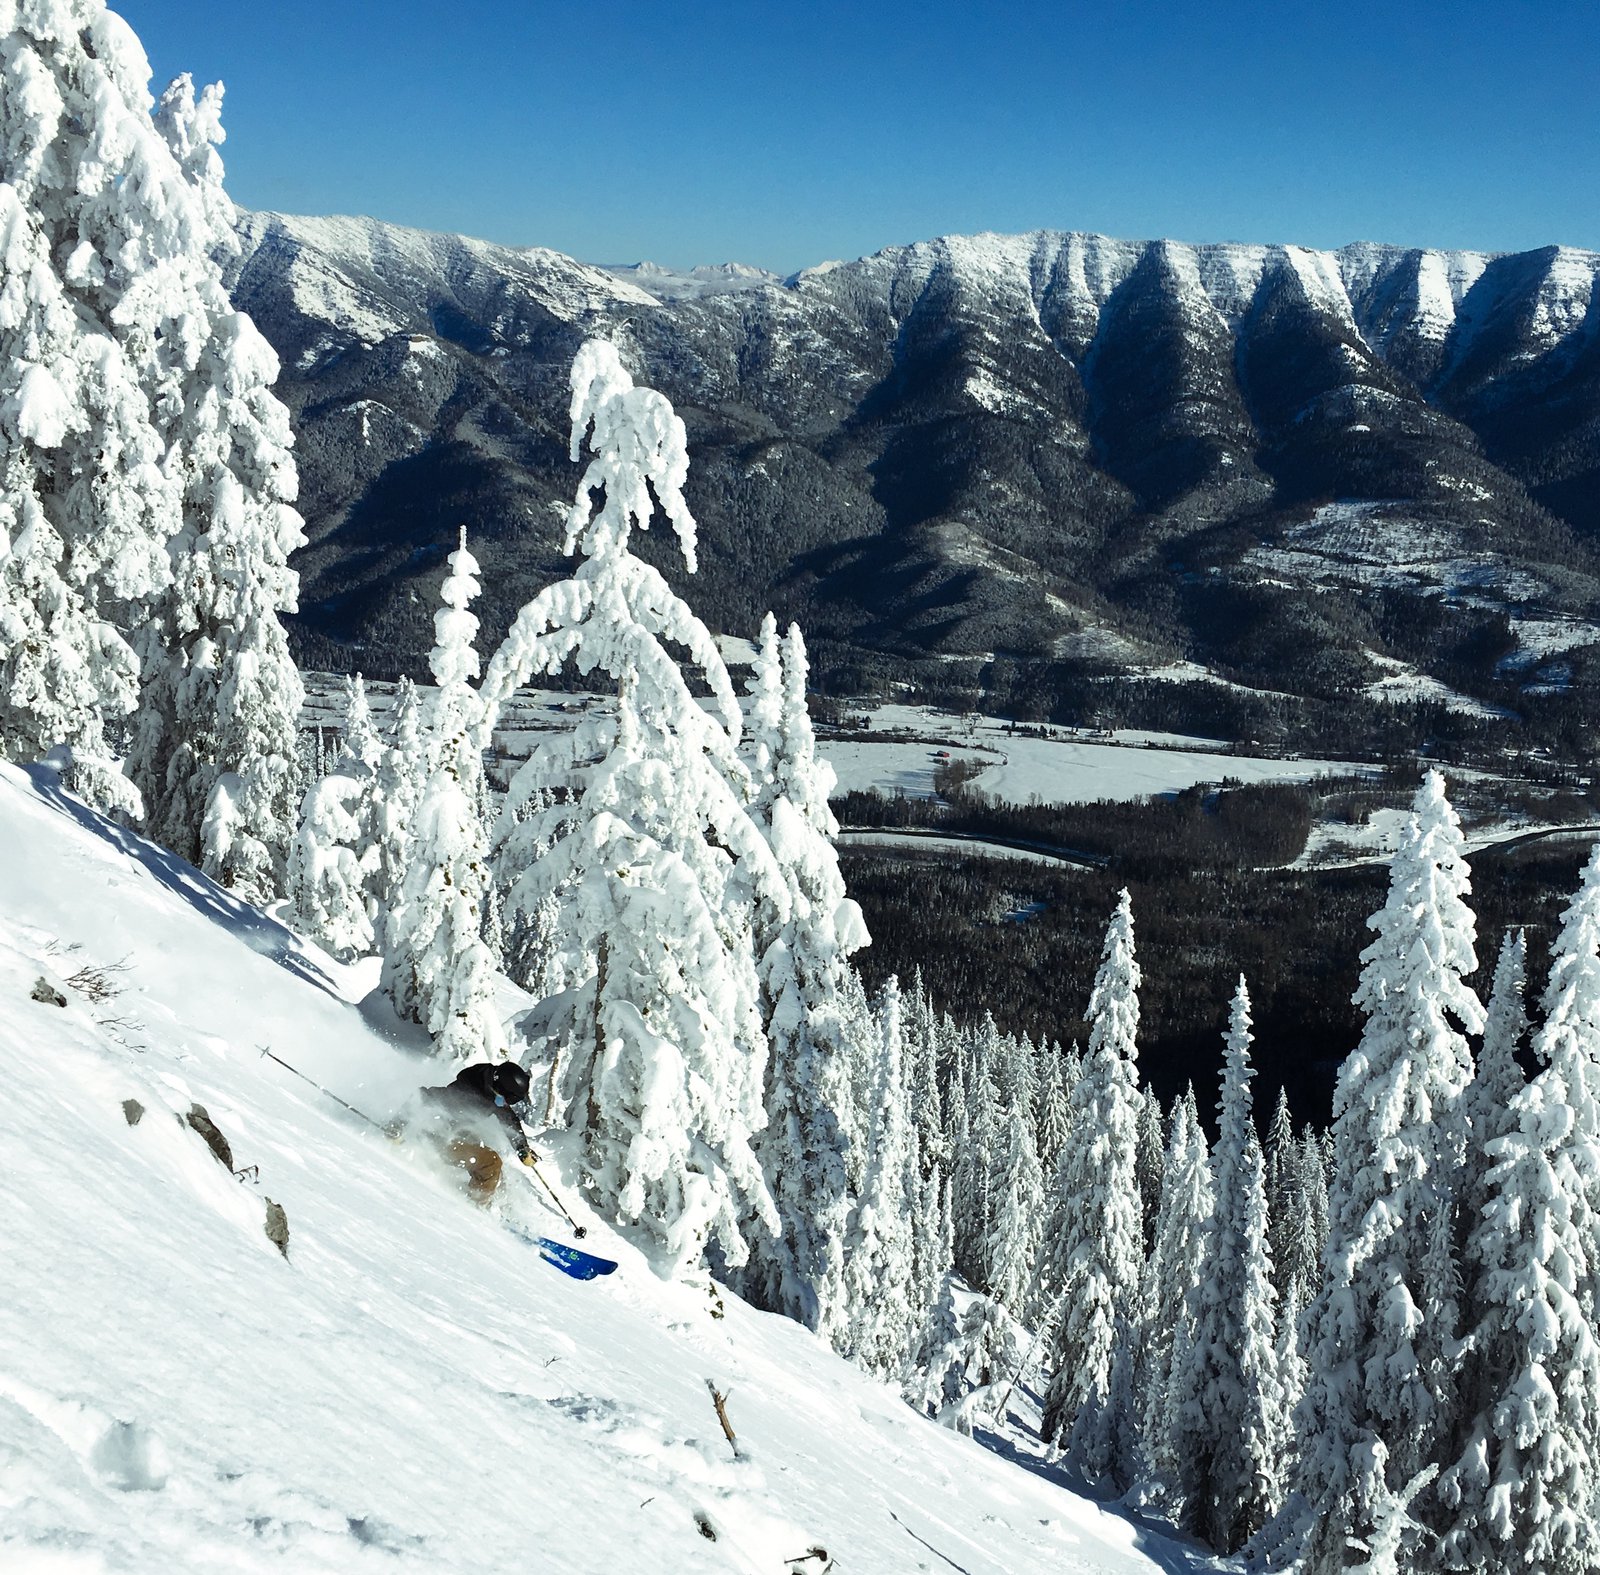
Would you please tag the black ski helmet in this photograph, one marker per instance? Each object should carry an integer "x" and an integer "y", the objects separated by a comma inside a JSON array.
[{"x": 511, "y": 1082}]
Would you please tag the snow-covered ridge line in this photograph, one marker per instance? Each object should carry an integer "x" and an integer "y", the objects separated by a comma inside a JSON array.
[
  {"x": 1383, "y": 290},
  {"x": 1367, "y": 282},
  {"x": 332, "y": 258}
]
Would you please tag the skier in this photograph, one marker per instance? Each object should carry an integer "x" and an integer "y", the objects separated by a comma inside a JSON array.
[{"x": 459, "y": 1112}]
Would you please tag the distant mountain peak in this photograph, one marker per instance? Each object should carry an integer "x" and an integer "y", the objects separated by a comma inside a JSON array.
[{"x": 682, "y": 284}]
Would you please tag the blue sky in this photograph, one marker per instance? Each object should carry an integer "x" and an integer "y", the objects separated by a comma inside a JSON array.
[{"x": 785, "y": 133}]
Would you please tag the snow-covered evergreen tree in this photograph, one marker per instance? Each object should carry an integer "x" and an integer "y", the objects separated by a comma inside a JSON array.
[
  {"x": 636, "y": 824},
  {"x": 1282, "y": 1155},
  {"x": 1487, "y": 1102},
  {"x": 328, "y": 877},
  {"x": 936, "y": 1374},
  {"x": 922, "y": 1059},
  {"x": 360, "y": 743},
  {"x": 1228, "y": 1402},
  {"x": 1306, "y": 1231},
  {"x": 1290, "y": 1369},
  {"x": 931, "y": 1250},
  {"x": 1393, "y": 1530},
  {"x": 1382, "y": 1327},
  {"x": 402, "y": 776},
  {"x": 861, "y": 1042},
  {"x": 879, "y": 1270},
  {"x": 956, "y": 1124},
  {"x": 1017, "y": 1078},
  {"x": 214, "y": 749},
  {"x": 1109, "y": 1443},
  {"x": 1051, "y": 1118},
  {"x": 802, "y": 947},
  {"x": 436, "y": 968},
  {"x": 1098, "y": 1251},
  {"x": 986, "y": 1357},
  {"x": 1172, "y": 1277},
  {"x": 975, "y": 1157},
  {"x": 103, "y": 241},
  {"x": 335, "y": 858},
  {"x": 1013, "y": 1246},
  {"x": 1150, "y": 1161},
  {"x": 1524, "y": 1493}
]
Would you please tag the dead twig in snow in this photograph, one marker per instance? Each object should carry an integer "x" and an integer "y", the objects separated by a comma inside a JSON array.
[
  {"x": 101, "y": 983},
  {"x": 720, "y": 1401}
]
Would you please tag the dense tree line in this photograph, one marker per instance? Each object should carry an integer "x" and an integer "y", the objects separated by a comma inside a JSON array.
[
  {"x": 1234, "y": 827},
  {"x": 1295, "y": 934}
]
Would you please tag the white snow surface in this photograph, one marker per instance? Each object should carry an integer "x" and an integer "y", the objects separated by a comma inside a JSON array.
[
  {"x": 1402, "y": 682},
  {"x": 413, "y": 1389},
  {"x": 1061, "y": 768},
  {"x": 960, "y": 847},
  {"x": 1539, "y": 639},
  {"x": 352, "y": 271},
  {"x": 692, "y": 284},
  {"x": 335, "y": 257},
  {"x": 1378, "y": 543}
]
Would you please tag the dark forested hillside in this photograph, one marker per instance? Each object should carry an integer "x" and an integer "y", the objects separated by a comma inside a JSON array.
[{"x": 1022, "y": 940}]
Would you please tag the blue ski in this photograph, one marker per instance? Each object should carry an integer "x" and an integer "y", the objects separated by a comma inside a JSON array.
[{"x": 570, "y": 1260}]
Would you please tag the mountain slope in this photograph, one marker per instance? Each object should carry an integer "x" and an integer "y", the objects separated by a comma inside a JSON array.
[
  {"x": 1052, "y": 447},
  {"x": 412, "y": 1389}
]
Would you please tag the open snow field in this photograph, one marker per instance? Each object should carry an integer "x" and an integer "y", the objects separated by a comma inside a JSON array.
[
  {"x": 960, "y": 847},
  {"x": 412, "y": 1389},
  {"x": 1333, "y": 844},
  {"x": 1062, "y": 768}
]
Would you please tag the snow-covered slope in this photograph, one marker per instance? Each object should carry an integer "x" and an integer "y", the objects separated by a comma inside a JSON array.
[
  {"x": 412, "y": 1389},
  {"x": 361, "y": 281}
]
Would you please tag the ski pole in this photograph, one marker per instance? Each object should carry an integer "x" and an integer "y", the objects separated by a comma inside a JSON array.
[
  {"x": 580, "y": 1231},
  {"x": 320, "y": 1089}
]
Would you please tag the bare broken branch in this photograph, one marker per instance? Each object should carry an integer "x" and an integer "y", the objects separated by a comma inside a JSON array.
[{"x": 720, "y": 1401}]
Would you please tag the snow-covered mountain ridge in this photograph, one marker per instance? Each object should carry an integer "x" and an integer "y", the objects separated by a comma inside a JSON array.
[
  {"x": 411, "y": 1387},
  {"x": 1053, "y": 447},
  {"x": 1382, "y": 289}
]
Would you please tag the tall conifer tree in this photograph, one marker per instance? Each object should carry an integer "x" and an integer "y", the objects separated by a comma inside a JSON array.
[
  {"x": 636, "y": 824},
  {"x": 1227, "y": 1389},
  {"x": 1524, "y": 1493},
  {"x": 1379, "y": 1403},
  {"x": 1098, "y": 1251},
  {"x": 802, "y": 946},
  {"x": 436, "y": 968},
  {"x": 1177, "y": 1265},
  {"x": 146, "y": 482},
  {"x": 214, "y": 752}
]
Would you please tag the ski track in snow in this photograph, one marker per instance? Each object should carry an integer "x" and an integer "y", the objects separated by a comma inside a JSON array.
[{"x": 413, "y": 1389}]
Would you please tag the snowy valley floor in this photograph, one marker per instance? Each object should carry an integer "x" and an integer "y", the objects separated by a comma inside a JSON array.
[{"x": 412, "y": 1389}]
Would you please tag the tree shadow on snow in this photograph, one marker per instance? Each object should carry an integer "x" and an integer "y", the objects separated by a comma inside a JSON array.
[
  {"x": 1155, "y": 1539},
  {"x": 263, "y": 935}
]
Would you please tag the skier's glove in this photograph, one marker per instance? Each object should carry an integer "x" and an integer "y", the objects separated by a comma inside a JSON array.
[{"x": 530, "y": 1158}]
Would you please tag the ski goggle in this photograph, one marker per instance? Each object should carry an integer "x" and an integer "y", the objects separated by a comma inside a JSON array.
[{"x": 499, "y": 1099}]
